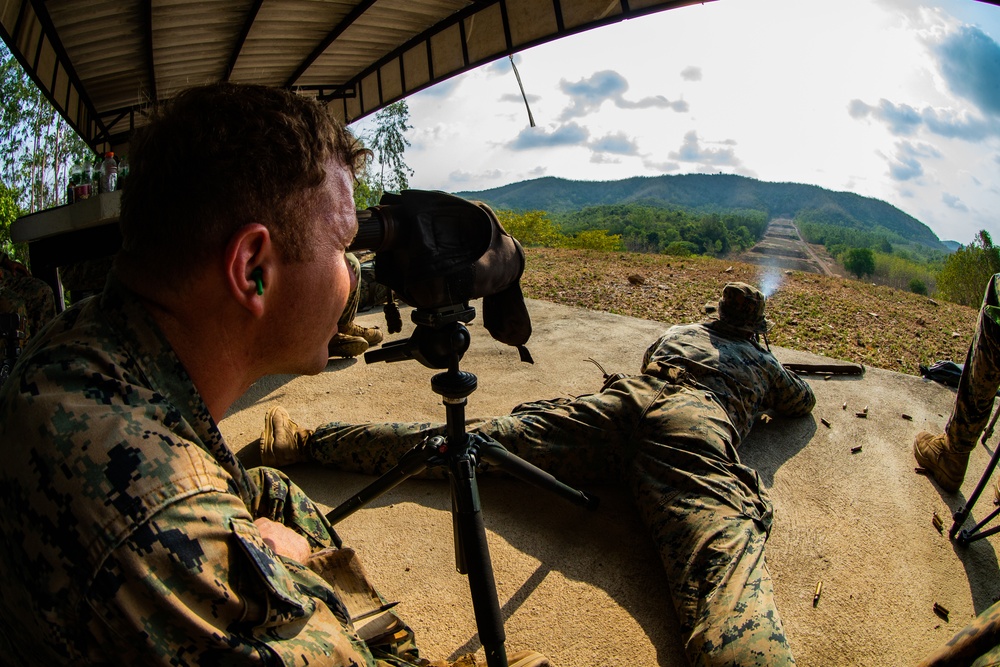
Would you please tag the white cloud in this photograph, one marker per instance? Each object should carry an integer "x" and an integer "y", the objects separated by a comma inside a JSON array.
[{"x": 886, "y": 98}]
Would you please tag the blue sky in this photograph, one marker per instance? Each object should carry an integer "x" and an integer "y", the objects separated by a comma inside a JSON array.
[{"x": 893, "y": 99}]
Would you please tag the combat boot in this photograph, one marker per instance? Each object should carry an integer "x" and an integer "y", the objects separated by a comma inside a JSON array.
[
  {"x": 519, "y": 659},
  {"x": 372, "y": 335},
  {"x": 283, "y": 442},
  {"x": 938, "y": 456},
  {"x": 344, "y": 346}
]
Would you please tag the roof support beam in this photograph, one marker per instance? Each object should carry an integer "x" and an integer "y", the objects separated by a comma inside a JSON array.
[
  {"x": 241, "y": 40},
  {"x": 147, "y": 20},
  {"x": 337, "y": 31}
]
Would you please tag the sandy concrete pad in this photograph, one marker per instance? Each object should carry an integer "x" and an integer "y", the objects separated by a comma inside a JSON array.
[{"x": 586, "y": 588}]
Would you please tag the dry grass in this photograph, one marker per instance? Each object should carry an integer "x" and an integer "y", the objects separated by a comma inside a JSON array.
[{"x": 835, "y": 317}]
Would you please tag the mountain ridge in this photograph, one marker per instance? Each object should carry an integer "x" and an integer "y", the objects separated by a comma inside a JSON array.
[{"x": 710, "y": 193}]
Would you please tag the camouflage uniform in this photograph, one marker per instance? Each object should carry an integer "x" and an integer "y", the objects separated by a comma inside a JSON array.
[
  {"x": 25, "y": 294},
  {"x": 128, "y": 521},
  {"x": 669, "y": 434},
  {"x": 354, "y": 298},
  {"x": 975, "y": 645},
  {"x": 978, "y": 644},
  {"x": 980, "y": 379}
]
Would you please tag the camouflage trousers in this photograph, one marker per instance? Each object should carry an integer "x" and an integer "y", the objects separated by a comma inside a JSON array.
[
  {"x": 351, "y": 308},
  {"x": 980, "y": 379},
  {"x": 672, "y": 446}
]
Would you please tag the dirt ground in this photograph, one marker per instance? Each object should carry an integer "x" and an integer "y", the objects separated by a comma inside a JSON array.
[{"x": 586, "y": 588}]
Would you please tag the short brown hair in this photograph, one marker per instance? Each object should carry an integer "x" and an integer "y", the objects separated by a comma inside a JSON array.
[{"x": 218, "y": 157}]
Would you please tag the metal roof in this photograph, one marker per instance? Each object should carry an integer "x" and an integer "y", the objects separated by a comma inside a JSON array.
[{"x": 102, "y": 62}]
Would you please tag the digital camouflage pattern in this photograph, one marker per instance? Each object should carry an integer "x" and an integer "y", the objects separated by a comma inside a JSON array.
[
  {"x": 22, "y": 293},
  {"x": 128, "y": 521},
  {"x": 980, "y": 379},
  {"x": 975, "y": 645},
  {"x": 351, "y": 307},
  {"x": 670, "y": 434},
  {"x": 978, "y": 644},
  {"x": 371, "y": 293},
  {"x": 86, "y": 277}
]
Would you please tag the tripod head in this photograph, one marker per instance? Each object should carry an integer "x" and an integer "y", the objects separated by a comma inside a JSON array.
[{"x": 439, "y": 341}]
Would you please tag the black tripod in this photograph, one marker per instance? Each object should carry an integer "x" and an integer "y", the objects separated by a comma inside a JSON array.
[
  {"x": 966, "y": 535},
  {"x": 439, "y": 341}
]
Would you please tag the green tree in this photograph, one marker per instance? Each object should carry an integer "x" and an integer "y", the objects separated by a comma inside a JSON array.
[
  {"x": 917, "y": 286},
  {"x": 8, "y": 213},
  {"x": 967, "y": 270},
  {"x": 531, "y": 228},
  {"x": 596, "y": 239},
  {"x": 680, "y": 249},
  {"x": 388, "y": 142},
  {"x": 36, "y": 148},
  {"x": 860, "y": 262}
]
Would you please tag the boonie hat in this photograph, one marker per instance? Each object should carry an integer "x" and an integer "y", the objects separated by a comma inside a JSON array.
[{"x": 742, "y": 307}]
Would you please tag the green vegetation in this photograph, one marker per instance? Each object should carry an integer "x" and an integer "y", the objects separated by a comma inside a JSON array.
[
  {"x": 665, "y": 230},
  {"x": 966, "y": 272},
  {"x": 722, "y": 194},
  {"x": 37, "y": 147},
  {"x": 638, "y": 228},
  {"x": 898, "y": 262},
  {"x": 388, "y": 143},
  {"x": 723, "y": 215},
  {"x": 860, "y": 262},
  {"x": 536, "y": 229}
]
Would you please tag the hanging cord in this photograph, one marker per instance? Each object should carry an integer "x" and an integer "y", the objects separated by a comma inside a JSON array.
[{"x": 531, "y": 118}]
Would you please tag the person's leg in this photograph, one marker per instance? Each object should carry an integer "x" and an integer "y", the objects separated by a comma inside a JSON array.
[
  {"x": 351, "y": 339},
  {"x": 980, "y": 379},
  {"x": 583, "y": 440},
  {"x": 709, "y": 518},
  {"x": 946, "y": 455},
  {"x": 708, "y": 514}
]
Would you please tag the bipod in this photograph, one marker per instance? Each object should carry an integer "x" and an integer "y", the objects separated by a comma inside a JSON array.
[{"x": 442, "y": 338}]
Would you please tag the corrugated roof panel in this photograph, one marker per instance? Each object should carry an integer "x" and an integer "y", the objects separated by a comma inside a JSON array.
[
  {"x": 485, "y": 34},
  {"x": 446, "y": 51},
  {"x": 531, "y": 21},
  {"x": 100, "y": 60},
  {"x": 192, "y": 41}
]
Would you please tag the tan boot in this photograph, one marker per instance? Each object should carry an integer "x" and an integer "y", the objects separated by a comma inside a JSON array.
[
  {"x": 342, "y": 345},
  {"x": 283, "y": 442},
  {"x": 372, "y": 335},
  {"x": 519, "y": 659},
  {"x": 946, "y": 466}
]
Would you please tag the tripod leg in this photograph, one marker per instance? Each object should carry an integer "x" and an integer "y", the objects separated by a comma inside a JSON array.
[
  {"x": 474, "y": 554},
  {"x": 962, "y": 513},
  {"x": 494, "y": 453},
  {"x": 413, "y": 462}
]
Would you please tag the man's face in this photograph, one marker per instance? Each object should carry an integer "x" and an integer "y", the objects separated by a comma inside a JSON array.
[{"x": 313, "y": 292}]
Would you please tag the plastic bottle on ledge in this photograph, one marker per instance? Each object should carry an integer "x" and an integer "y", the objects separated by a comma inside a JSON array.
[{"x": 109, "y": 173}]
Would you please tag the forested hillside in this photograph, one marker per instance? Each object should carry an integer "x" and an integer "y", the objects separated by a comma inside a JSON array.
[{"x": 825, "y": 210}]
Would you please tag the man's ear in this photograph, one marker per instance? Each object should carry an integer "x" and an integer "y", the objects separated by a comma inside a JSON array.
[{"x": 249, "y": 266}]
